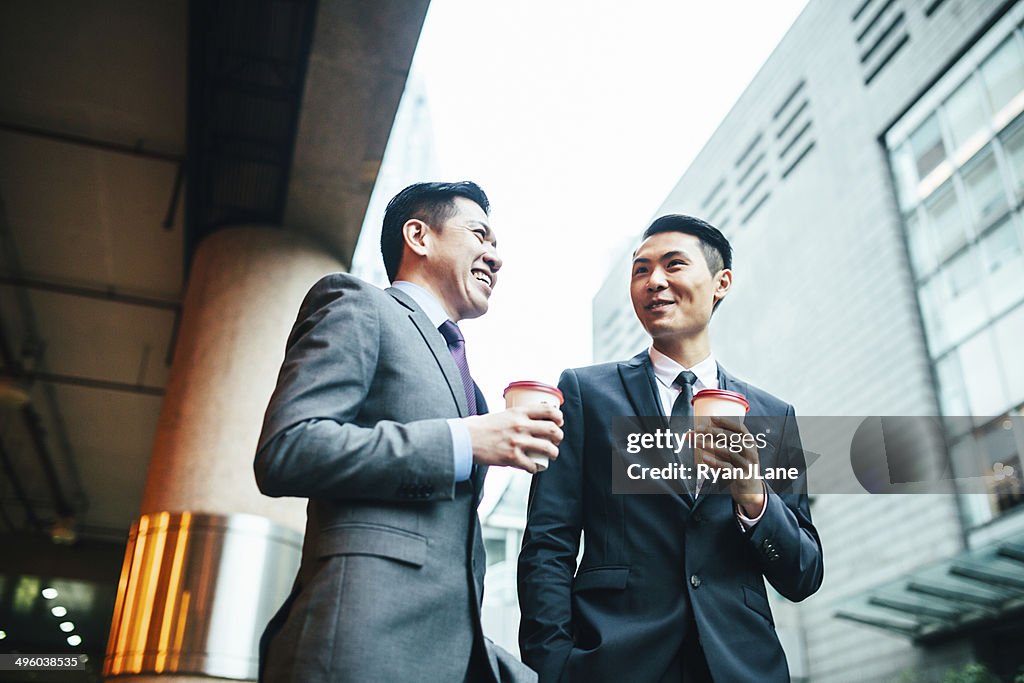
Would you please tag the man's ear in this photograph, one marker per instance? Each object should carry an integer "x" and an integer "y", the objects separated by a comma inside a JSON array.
[
  {"x": 723, "y": 283},
  {"x": 414, "y": 233}
]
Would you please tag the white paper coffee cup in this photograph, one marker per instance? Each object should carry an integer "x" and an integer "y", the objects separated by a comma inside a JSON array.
[
  {"x": 525, "y": 393},
  {"x": 709, "y": 403},
  {"x": 719, "y": 403}
]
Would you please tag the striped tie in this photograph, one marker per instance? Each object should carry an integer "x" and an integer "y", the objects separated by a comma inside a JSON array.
[{"x": 457, "y": 346}]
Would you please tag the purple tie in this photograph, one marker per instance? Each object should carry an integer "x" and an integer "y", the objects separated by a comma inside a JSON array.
[{"x": 457, "y": 346}]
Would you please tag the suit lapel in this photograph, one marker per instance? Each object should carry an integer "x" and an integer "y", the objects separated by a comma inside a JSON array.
[
  {"x": 728, "y": 382},
  {"x": 642, "y": 391},
  {"x": 638, "y": 380},
  {"x": 438, "y": 348}
]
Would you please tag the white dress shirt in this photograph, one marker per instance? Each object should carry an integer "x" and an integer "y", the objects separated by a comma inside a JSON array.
[
  {"x": 666, "y": 370},
  {"x": 462, "y": 445}
]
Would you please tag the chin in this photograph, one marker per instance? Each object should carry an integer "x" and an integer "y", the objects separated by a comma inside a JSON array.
[{"x": 475, "y": 311}]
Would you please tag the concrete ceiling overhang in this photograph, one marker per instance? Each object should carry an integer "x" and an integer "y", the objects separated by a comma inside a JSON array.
[
  {"x": 290, "y": 113},
  {"x": 95, "y": 126},
  {"x": 356, "y": 74}
]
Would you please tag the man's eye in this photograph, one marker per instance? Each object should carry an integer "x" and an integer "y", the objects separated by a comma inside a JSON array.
[
  {"x": 481, "y": 235},
  {"x": 639, "y": 271},
  {"x": 676, "y": 262}
]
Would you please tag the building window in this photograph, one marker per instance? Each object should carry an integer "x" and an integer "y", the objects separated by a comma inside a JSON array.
[
  {"x": 958, "y": 163},
  {"x": 1013, "y": 146},
  {"x": 928, "y": 149},
  {"x": 1003, "y": 75}
]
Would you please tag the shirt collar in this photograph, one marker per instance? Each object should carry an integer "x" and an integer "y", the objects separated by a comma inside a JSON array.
[
  {"x": 425, "y": 300},
  {"x": 666, "y": 369}
]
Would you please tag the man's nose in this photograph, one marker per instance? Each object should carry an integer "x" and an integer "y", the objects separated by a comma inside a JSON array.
[
  {"x": 493, "y": 260},
  {"x": 656, "y": 281}
]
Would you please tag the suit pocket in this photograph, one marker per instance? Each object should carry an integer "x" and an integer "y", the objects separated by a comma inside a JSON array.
[
  {"x": 758, "y": 603},
  {"x": 609, "y": 578},
  {"x": 373, "y": 539}
]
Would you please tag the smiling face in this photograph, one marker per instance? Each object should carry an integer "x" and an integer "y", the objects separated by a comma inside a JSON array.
[
  {"x": 460, "y": 260},
  {"x": 674, "y": 291}
]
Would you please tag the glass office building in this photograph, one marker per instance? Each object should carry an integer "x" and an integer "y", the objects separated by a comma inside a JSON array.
[
  {"x": 957, "y": 158},
  {"x": 870, "y": 179}
]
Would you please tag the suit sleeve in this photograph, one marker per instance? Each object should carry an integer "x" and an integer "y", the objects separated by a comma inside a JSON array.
[
  {"x": 551, "y": 544},
  {"x": 785, "y": 541},
  {"x": 315, "y": 443}
]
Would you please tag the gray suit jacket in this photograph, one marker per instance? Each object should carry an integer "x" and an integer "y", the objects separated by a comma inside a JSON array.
[{"x": 391, "y": 578}]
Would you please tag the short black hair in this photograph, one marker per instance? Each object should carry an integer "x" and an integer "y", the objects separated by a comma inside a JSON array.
[
  {"x": 432, "y": 203},
  {"x": 716, "y": 248}
]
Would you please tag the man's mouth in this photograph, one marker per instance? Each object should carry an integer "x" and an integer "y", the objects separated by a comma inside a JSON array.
[
  {"x": 658, "y": 304},
  {"x": 483, "y": 277}
]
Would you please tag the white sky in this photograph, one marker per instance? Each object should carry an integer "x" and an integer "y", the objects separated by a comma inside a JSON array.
[{"x": 577, "y": 118}]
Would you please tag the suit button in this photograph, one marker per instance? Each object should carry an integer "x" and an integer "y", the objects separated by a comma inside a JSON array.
[
  {"x": 695, "y": 581},
  {"x": 698, "y": 518}
]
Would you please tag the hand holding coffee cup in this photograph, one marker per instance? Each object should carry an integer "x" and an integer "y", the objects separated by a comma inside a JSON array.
[
  {"x": 709, "y": 403},
  {"x": 715, "y": 410},
  {"x": 509, "y": 438},
  {"x": 524, "y": 393}
]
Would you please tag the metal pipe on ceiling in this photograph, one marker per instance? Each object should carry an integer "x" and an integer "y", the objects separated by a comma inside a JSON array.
[
  {"x": 15, "y": 368},
  {"x": 19, "y": 489},
  {"x": 34, "y": 426},
  {"x": 110, "y": 294},
  {"x": 94, "y": 383},
  {"x": 137, "y": 150}
]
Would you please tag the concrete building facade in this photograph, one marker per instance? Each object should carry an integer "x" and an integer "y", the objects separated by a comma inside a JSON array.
[{"x": 870, "y": 180}]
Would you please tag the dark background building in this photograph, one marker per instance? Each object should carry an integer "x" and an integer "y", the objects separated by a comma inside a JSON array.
[{"x": 173, "y": 177}]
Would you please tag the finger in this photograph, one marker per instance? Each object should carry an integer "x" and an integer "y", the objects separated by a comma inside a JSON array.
[
  {"x": 558, "y": 418},
  {"x": 542, "y": 411},
  {"x": 546, "y": 430},
  {"x": 715, "y": 462},
  {"x": 553, "y": 414},
  {"x": 729, "y": 423},
  {"x": 520, "y": 459},
  {"x": 535, "y": 446},
  {"x": 725, "y": 458}
]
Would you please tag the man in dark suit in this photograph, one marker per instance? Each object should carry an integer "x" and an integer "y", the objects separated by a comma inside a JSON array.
[
  {"x": 670, "y": 587},
  {"x": 376, "y": 420}
]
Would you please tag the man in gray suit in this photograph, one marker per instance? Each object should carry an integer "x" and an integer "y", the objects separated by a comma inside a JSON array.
[{"x": 378, "y": 423}]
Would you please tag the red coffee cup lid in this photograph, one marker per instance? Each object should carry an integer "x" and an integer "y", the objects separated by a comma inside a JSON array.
[
  {"x": 722, "y": 394},
  {"x": 536, "y": 386}
]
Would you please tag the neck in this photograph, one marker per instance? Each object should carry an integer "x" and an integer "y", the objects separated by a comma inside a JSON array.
[
  {"x": 685, "y": 351},
  {"x": 427, "y": 284}
]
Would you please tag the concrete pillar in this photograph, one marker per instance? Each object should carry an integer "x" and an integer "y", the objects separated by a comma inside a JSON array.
[{"x": 210, "y": 555}]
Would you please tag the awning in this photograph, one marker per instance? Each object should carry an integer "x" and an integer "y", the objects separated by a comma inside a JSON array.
[{"x": 956, "y": 594}]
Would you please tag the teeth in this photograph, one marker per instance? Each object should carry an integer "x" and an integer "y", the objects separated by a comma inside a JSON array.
[{"x": 483, "y": 278}]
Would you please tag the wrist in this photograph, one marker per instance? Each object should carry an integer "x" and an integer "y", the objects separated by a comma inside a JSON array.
[
  {"x": 752, "y": 504},
  {"x": 752, "y": 508}
]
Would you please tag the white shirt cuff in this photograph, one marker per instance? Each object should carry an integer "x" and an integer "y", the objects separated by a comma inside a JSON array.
[
  {"x": 462, "y": 449},
  {"x": 747, "y": 522}
]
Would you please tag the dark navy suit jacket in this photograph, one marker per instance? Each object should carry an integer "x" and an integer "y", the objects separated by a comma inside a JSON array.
[{"x": 655, "y": 564}]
